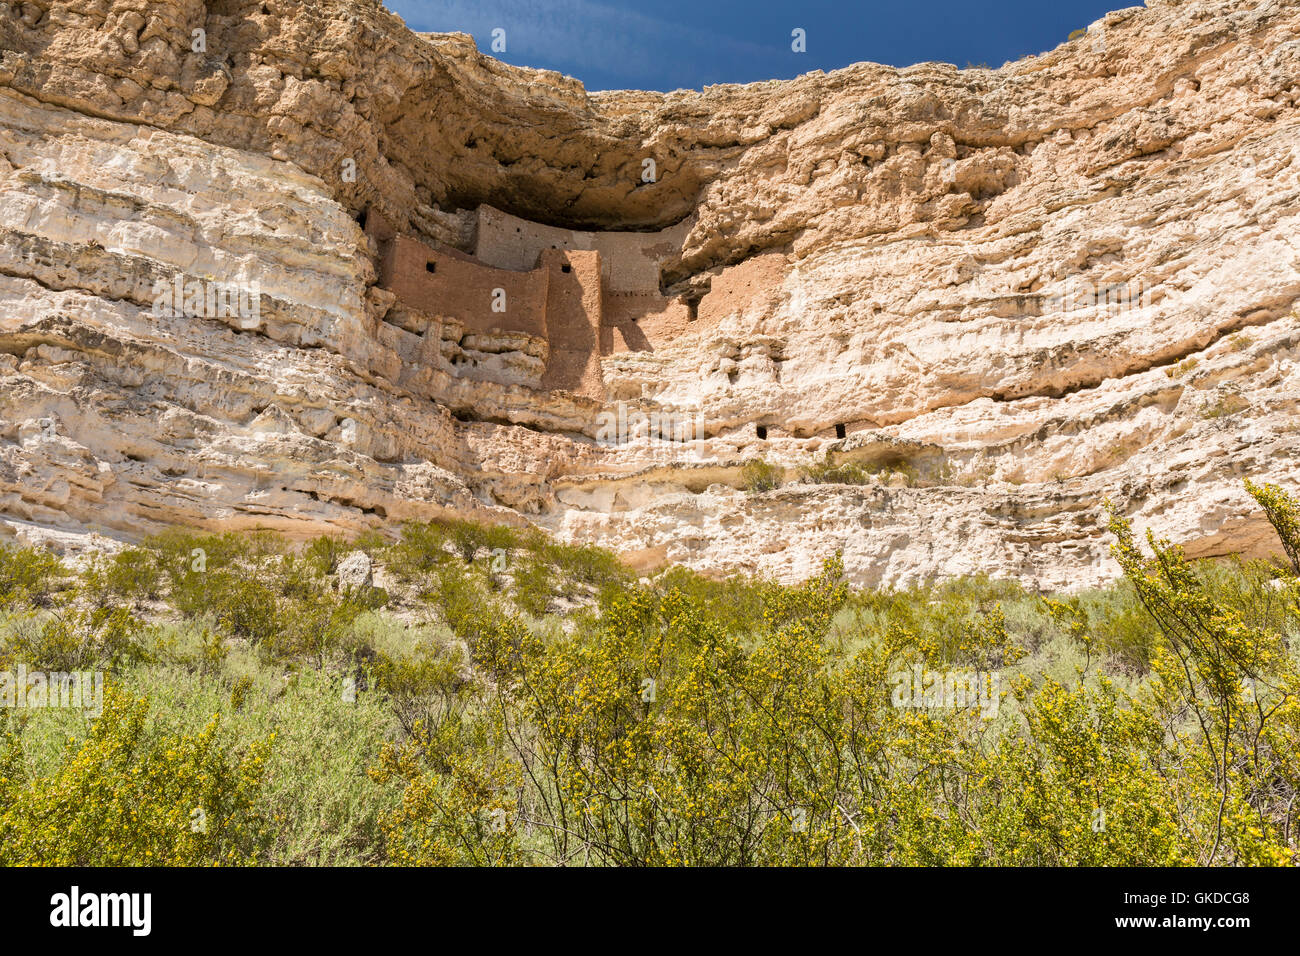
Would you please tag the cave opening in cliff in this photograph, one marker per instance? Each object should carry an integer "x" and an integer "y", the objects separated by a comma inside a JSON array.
[
  {"x": 431, "y": 267},
  {"x": 840, "y": 430},
  {"x": 761, "y": 432}
]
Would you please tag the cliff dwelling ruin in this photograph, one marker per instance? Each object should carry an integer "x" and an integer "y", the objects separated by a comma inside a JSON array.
[
  {"x": 576, "y": 296},
  {"x": 874, "y": 268}
]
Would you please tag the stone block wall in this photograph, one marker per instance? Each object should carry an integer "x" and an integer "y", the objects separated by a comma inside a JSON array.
[
  {"x": 574, "y": 307},
  {"x": 448, "y": 284},
  {"x": 630, "y": 261},
  {"x": 585, "y": 294}
]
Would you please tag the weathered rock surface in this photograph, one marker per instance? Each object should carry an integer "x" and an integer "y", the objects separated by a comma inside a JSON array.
[
  {"x": 1030, "y": 289},
  {"x": 355, "y": 571}
]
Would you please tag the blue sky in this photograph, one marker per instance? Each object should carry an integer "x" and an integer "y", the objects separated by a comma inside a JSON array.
[{"x": 673, "y": 44}]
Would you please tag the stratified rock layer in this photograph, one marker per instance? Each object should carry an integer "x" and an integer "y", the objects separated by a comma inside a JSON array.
[{"x": 1020, "y": 291}]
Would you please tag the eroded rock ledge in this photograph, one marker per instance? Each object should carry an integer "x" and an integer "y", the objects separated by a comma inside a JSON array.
[{"x": 1023, "y": 290}]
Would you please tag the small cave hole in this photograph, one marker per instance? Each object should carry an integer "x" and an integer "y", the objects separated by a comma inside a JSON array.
[
  {"x": 840, "y": 431},
  {"x": 431, "y": 267},
  {"x": 761, "y": 432},
  {"x": 566, "y": 268}
]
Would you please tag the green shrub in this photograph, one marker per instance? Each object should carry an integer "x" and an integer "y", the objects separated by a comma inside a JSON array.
[
  {"x": 422, "y": 548},
  {"x": 534, "y": 585},
  {"x": 27, "y": 575},
  {"x": 134, "y": 573},
  {"x": 734, "y": 603},
  {"x": 1283, "y": 513},
  {"x": 132, "y": 795},
  {"x": 318, "y": 806},
  {"x": 425, "y": 687},
  {"x": 826, "y": 472},
  {"x": 905, "y": 469},
  {"x": 1223, "y": 407},
  {"x": 242, "y": 604},
  {"x": 580, "y": 568},
  {"x": 469, "y": 538},
  {"x": 757, "y": 476},
  {"x": 315, "y": 630},
  {"x": 675, "y": 720},
  {"x": 69, "y": 639}
]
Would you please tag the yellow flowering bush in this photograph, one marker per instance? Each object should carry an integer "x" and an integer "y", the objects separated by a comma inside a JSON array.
[
  {"x": 132, "y": 795},
  {"x": 26, "y": 575},
  {"x": 274, "y": 715}
]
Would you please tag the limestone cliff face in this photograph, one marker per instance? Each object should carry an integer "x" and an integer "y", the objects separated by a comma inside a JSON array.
[{"x": 1023, "y": 290}]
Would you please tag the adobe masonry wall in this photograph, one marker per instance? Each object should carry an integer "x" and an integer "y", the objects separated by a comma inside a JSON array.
[
  {"x": 630, "y": 261},
  {"x": 643, "y": 321},
  {"x": 637, "y": 321},
  {"x": 586, "y": 294},
  {"x": 573, "y": 315},
  {"x": 735, "y": 288},
  {"x": 459, "y": 288}
]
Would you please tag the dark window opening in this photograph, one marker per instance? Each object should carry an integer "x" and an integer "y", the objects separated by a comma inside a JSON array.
[
  {"x": 840, "y": 431},
  {"x": 692, "y": 309},
  {"x": 761, "y": 431},
  {"x": 566, "y": 268},
  {"x": 517, "y": 229},
  {"x": 431, "y": 266}
]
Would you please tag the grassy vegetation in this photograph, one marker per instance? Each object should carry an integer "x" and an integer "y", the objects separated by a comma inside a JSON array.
[
  {"x": 505, "y": 699},
  {"x": 757, "y": 476},
  {"x": 1223, "y": 406},
  {"x": 827, "y": 472}
]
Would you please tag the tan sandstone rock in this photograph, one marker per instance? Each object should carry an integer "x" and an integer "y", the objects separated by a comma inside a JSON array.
[{"x": 1023, "y": 290}]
